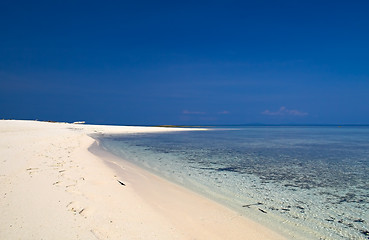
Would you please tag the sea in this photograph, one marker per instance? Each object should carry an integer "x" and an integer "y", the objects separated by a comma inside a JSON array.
[{"x": 305, "y": 182}]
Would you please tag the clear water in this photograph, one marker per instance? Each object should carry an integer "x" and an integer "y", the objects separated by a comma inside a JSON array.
[{"x": 305, "y": 182}]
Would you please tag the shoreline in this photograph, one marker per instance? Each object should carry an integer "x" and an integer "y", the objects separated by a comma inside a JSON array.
[
  {"x": 61, "y": 185},
  {"x": 196, "y": 211}
]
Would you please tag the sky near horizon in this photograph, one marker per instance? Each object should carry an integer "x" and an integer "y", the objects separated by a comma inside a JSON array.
[{"x": 185, "y": 62}]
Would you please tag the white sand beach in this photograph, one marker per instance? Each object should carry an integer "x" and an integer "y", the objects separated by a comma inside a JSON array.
[{"x": 56, "y": 183}]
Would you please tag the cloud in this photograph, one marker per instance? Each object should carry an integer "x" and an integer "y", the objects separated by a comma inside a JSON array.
[
  {"x": 186, "y": 112},
  {"x": 224, "y": 112},
  {"x": 192, "y": 113},
  {"x": 283, "y": 111}
]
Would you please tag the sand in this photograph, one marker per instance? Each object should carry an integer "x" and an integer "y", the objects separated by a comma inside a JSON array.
[{"x": 57, "y": 183}]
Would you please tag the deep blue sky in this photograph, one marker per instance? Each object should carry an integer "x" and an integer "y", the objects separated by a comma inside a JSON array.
[{"x": 185, "y": 62}]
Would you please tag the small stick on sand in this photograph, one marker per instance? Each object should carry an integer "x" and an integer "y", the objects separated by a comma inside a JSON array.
[
  {"x": 121, "y": 183},
  {"x": 254, "y": 204},
  {"x": 261, "y": 210}
]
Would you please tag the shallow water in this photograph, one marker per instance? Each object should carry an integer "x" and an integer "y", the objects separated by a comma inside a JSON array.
[{"x": 305, "y": 182}]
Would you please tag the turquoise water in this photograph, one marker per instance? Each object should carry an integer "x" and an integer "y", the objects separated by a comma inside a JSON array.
[{"x": 305, "y": 182}]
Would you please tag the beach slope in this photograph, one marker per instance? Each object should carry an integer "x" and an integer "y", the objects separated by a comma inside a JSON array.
[{"x": 57, "y": 183}]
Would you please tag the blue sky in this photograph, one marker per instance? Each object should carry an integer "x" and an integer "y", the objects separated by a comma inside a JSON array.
[{"x": 185, "y": 62}]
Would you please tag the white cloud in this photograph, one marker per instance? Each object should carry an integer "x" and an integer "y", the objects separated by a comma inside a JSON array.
[
  {"x": 224, "y": 112},
  {"x": 283, "y": 111},
  {"x": 192, "y": 113}
]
